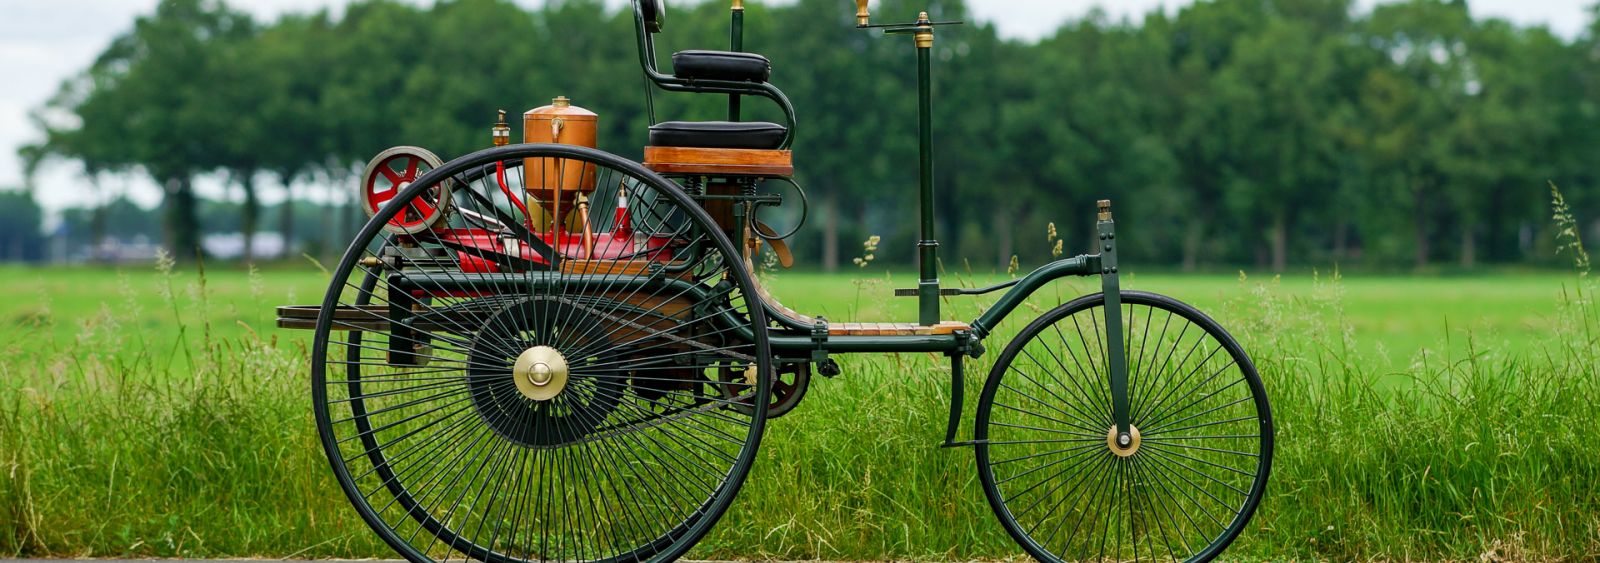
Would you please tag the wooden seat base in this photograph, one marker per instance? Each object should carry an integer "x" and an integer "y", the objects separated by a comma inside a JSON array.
[{"x": 719, "y": 162}]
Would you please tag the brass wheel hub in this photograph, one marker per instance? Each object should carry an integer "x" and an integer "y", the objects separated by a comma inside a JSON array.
[
  {"x": 1123, "y": 449},
  {"x": 540, "y": 373}
]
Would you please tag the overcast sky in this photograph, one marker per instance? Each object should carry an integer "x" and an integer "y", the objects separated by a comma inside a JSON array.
[{"x": 44, "y": 41}]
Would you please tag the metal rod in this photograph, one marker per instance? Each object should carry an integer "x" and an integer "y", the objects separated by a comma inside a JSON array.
[
  {"x": 1076, "y": 266},
  {"x": 957, "y": 390},
  {"x": 1116, "y": 357},
  {"x": 943, "y": 343},
  {"x": 928, "y": 247},
  {"x": 737, "y": 45}
]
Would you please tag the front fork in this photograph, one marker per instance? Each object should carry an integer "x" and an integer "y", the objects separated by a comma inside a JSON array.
[
  {"x": 1116, "y": 355},
  {"x": 1122, "y": 435}
]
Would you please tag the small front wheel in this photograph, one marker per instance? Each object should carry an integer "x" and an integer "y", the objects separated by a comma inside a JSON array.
[{"x": 1201, "y": 447}]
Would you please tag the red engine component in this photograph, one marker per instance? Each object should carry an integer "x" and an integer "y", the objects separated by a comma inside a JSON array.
[{"x": 475, "y": 246}]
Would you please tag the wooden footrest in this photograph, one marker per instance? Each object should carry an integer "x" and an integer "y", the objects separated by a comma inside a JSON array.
[
  {"x": 367, "y": 317},
  {"x": 719, "y": 162},
  {"x": 893, "y": 329}
]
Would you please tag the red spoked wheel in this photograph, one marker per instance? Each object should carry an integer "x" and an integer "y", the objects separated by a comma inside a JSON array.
[{"x": 389, "y": 173}]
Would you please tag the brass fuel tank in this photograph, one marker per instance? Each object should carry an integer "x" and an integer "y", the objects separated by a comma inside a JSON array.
[{"x": 555, "y": 183}]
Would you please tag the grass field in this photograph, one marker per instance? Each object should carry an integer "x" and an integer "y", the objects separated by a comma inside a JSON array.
[
  {"x": 147, "y": 413},
  {"x": 1393, "y": 320}
]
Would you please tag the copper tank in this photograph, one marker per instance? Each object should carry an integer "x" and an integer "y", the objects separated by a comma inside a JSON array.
[{"x": 554, "y": 182}]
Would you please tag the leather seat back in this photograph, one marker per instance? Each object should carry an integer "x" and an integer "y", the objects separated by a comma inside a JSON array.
[{"x": 655, "y": 14}]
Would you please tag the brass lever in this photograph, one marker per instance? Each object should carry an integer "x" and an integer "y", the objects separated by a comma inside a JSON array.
[{"x": 861, "y": 13}]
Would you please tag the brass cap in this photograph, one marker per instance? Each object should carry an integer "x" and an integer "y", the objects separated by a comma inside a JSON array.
[
  {"x": 540, "y": 373},
  {"x": 1133, "y": 442},
  {"x": 561, "y": 102},
  {"x": 924, "y": 34},
  {"x": 1105, "y": 209},
  {"x": 862, "y": 15}
]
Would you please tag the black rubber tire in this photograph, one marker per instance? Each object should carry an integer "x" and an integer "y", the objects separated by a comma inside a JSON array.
[{"x": 353, "y": 284}]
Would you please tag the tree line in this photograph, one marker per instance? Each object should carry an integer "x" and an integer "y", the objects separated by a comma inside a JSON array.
[{"x": 1266, "y": 132}]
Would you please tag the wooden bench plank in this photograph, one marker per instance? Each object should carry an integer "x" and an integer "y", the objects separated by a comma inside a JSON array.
[
  {"x": 738, "y": 162},
  {"x": 894, "y": 329}
]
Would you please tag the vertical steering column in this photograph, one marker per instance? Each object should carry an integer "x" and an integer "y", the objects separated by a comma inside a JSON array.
[
  {"x": 1116, "y": 357},
  {"x": 736, "y": 44},
  {"x": 927, "y": 247}
]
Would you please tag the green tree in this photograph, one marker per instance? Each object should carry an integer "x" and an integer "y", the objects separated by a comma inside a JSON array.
[
  {"x": 150, "y": 98},
  {"x": 21, "y": 222}
]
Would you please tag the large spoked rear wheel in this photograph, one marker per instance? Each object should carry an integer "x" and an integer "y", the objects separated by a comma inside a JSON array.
[
  {"x": 1201, "y": 425},
  {"x": 483, "y": 391}
]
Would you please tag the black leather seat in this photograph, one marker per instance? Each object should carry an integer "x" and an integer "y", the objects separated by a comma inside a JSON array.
[
  {"x": 718, "y": 135},
  {"x": 721, "y": 65}
]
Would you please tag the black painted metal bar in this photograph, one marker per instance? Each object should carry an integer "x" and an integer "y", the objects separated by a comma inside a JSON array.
[
  {"x": 928, "y": 246},
  {"x": 736, "y": 45}
]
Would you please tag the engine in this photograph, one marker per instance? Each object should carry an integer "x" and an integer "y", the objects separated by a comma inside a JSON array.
[{"x": 551, "y": 197}]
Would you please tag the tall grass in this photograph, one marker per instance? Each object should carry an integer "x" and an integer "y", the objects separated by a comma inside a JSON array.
[
  {"x": 187, "y": 446},
  {"x": 197, "y": 446}
]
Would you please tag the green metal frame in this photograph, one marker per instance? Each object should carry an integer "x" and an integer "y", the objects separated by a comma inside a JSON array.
[
  {"x": 815, "y": 344},
  {"x": 928, "y": 246},
  {"x": 647, "y": 60},
  {"x": 790, "y": 339},
  {"x": 736, "y": 44}
]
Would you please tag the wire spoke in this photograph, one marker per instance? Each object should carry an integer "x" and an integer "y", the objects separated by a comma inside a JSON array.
[
  {"x": 418, "y": 401},
  {"x": 1158, "y": 500}
]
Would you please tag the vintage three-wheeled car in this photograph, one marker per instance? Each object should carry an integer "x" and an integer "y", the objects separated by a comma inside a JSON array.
[{"x": 544, "y": 352}]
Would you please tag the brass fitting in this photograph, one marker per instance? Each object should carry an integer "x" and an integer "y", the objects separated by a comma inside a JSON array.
[
  {"x": 738, "y": 5},
  {"x": 502, "y": 131},
  {"x": 1124, "y": 446},
  {"x": 1105, "y": 209},
  {"x": 862, "y": 15},
  {"x": 924, "y": 34},
  {"x": 540, "y": 373}
]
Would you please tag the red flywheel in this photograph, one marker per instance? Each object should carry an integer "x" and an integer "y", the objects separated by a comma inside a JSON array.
[{"x": 389, "y": 173}]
